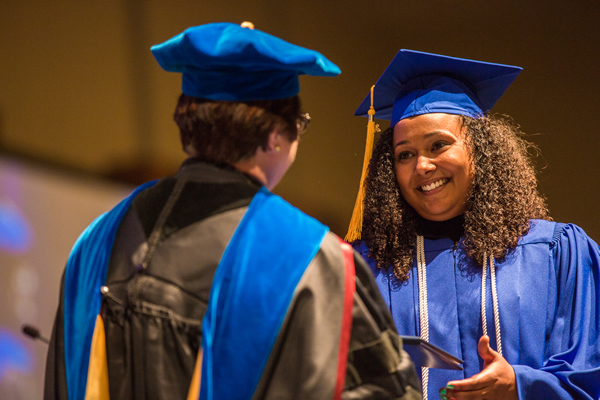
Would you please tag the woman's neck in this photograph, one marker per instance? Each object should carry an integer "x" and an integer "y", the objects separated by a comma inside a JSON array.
[{"x": 451, "y": 229}]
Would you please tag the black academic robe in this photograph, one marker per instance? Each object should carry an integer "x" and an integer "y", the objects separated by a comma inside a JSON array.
[{"x": 153, "y": 306}]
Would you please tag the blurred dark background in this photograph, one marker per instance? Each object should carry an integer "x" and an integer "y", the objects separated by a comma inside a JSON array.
[
  {"x": 79, "y": 87},
  {"x": 81, "y": 95}
]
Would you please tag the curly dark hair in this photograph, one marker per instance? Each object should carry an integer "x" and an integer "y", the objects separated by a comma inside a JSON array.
[
  {"x": 225, "y": 132},
  {"x": 502, "y": 198}
]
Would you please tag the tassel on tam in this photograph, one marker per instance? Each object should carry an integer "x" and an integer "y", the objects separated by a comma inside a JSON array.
[{"x": 355, "y": 228}]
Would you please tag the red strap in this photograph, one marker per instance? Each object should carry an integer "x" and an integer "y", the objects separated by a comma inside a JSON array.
[{"x": 350, "y": 288}]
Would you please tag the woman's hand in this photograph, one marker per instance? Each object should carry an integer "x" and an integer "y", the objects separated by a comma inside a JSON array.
[{"x": 496, "y": 380}]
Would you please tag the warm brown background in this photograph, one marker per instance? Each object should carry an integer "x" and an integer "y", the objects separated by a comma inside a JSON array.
[
  {"x": 80, "y": 88},
  {"x": 80, "y": 91}
]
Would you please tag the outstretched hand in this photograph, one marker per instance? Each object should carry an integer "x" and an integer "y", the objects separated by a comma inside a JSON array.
[{"x": 496, "y": 380}]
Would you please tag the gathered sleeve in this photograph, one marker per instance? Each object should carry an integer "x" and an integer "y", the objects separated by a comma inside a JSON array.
[{"x": 571, "y": 368}]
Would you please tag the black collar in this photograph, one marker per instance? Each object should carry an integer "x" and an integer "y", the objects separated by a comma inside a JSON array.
[
  {"x": 216, "y": 171},
  {"x": 451, "y": 229}
]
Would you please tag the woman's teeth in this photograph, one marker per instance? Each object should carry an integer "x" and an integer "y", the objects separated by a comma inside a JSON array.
[{"x": 434, "y": 185}]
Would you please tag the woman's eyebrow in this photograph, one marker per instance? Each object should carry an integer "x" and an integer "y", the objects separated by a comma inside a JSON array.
[{"x": 425, "y": 136}]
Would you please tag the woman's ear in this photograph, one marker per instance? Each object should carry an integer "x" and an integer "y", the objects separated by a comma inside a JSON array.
[{"x": 273, "y": 143}]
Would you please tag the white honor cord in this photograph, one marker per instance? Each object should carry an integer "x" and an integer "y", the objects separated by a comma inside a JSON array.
[
  {"x": 494, "y": 300},
  {"x": 423, "y": 314}
]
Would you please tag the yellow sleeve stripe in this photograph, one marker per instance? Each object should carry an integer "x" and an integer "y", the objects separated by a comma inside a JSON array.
[
  {"x": 194, "y": 392},
  {"x": 97, "y": 380}
]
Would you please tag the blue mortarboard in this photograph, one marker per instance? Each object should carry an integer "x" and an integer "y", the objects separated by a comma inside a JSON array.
[
  {"x": 421, "y": 83},
  {"x": 225, "y": 61}
]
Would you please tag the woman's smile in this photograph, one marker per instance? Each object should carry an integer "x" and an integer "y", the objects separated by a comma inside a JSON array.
[{"x": 436, "y": 184}]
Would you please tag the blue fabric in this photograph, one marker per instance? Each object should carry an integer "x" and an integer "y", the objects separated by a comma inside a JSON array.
[
  {"x": 252, "y": 289},
  {"x": 223, "y": 61},
  {"x": 548, "y": 294},
  {"x": 435, "y": 94},
  {"x": 84, "y": 276},
  {"x": 418, "y": 83}
]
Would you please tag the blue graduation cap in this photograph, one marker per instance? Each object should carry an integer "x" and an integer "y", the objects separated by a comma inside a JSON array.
[
  {"x": 418, "y": 83},
  {"x": 225, "y": 61}
]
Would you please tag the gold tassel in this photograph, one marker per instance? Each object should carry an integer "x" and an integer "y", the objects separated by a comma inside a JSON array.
[{"x": 355, "y": 228}]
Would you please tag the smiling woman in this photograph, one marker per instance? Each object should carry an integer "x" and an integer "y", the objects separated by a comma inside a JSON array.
[
  {"x": 486, "y": 181},
  {"x": 451, "y": 191}
]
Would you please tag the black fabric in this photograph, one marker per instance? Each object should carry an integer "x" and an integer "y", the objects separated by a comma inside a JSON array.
[
  {"x": 452, "y": 229},
  {"x": 149, "y": 203},
  {"x": 130, "y": 237},
  {"x": 304, "y": 361},
  {"x": 152, "y": 339},
  {"x": 202, "y": 200},
  {"x": 153, "y": 317},
  {"x": 55, "y": 383},
  {"x": 378, "y": 368},
  {"x": 199, "y": 199},
  {"x": 207, "y": 191}
]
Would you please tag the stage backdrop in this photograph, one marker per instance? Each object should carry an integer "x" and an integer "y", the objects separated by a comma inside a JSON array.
[{"x": 42, "y": 212}]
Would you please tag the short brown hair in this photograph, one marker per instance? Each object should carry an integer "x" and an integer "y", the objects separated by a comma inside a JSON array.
[{"x": 225, "y": 132}]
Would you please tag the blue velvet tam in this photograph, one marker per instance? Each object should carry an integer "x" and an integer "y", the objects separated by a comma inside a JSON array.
[
  {"x": 230, "y": 62},
  {"x": 418, "y": 83}
]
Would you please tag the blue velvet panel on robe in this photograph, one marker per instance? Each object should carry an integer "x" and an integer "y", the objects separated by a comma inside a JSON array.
[
  {"x": 548, "y": 294},
  {"x": 85, "y": 274},
  {"x": 252, "y": 289}
]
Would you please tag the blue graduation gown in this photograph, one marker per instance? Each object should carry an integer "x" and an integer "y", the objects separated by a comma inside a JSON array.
[{"x": 548, "y": 293}]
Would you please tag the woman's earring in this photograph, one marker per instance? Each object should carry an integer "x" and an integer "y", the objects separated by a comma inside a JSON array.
[{"x": 277, "y": 149}]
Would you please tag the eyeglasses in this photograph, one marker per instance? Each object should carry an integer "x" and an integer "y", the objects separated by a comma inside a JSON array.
[{"x": 302, "y": 122}]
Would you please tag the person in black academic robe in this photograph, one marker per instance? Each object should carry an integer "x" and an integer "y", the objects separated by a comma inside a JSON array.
[{"x": 205, "y": 284}]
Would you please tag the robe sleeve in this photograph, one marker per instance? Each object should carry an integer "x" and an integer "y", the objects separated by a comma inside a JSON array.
[
  {"x": 571, "y": 367},
  {"x": 303, "y": 363}
]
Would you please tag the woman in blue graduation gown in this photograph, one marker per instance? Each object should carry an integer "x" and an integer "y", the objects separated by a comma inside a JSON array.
[{"x": 461, "y": 242}]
